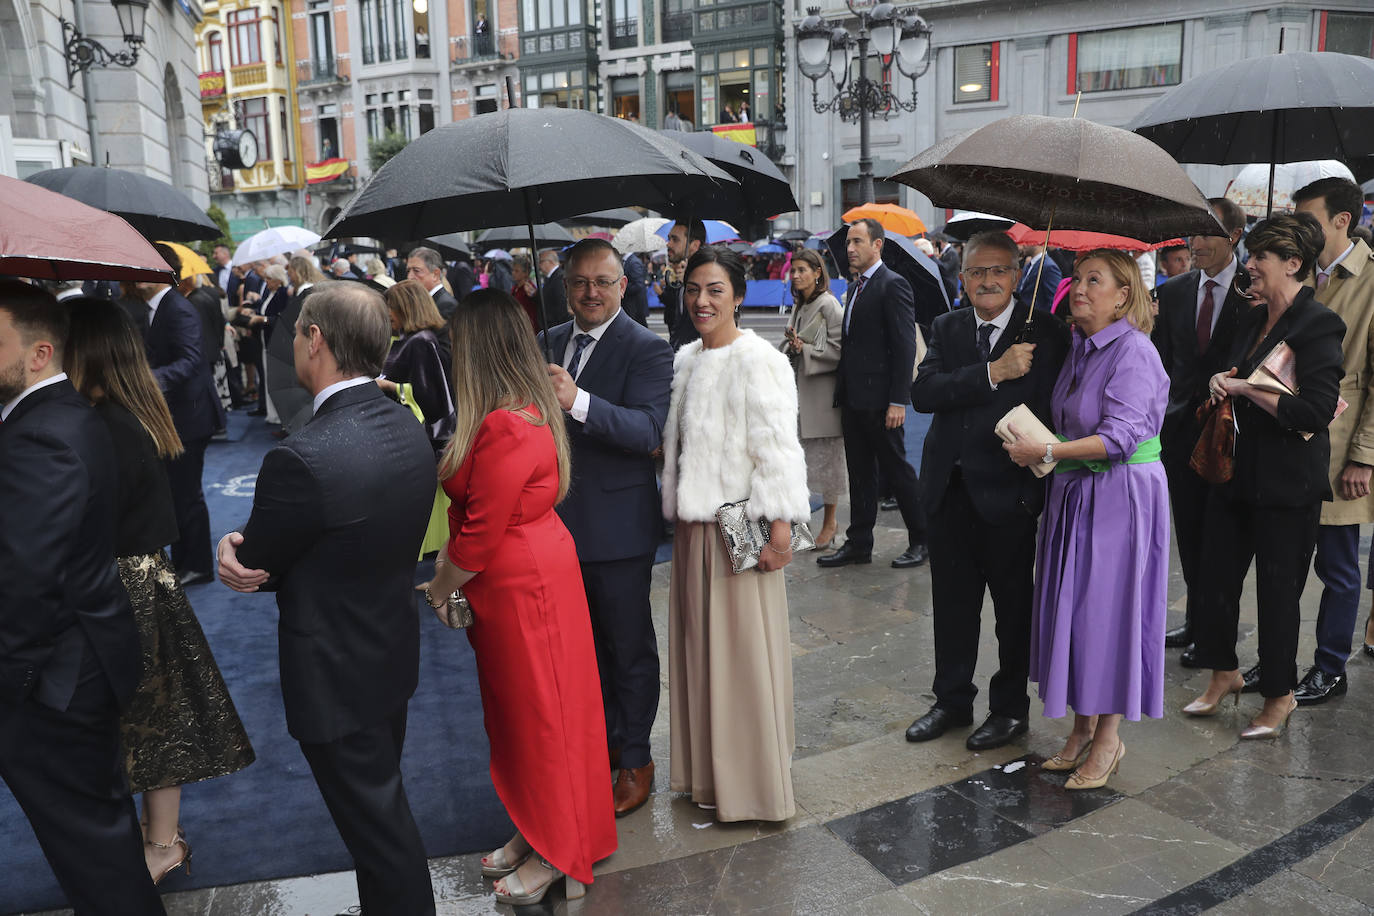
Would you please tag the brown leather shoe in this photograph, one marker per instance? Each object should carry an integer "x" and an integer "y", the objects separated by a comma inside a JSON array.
[{"x": 633, "y": 788}]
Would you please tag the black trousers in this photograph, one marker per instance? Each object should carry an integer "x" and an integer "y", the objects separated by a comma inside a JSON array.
[
  {"x": 1188, "y": 503},
  {"x": 66, "y": 770},
  {"x": 967, "y": 556},
  {"x": 869, "y": 446},
  {"x": 191, "y": 552},
  {"x": 626, "y": 652},
  {"x": 1281, "y": 542},
  {"x": 359, "y": 776}
]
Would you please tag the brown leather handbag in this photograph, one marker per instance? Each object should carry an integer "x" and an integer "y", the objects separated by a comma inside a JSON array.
[{"x": 1214, "y": 456}]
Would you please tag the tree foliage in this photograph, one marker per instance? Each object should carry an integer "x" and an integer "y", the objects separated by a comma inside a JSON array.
[
  {"x": 380, "y": 151},
  {"x": 207, "y": 247}
]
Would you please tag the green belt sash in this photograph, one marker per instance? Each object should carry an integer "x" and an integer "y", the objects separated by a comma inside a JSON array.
[{"x": 1147, "y": 451}]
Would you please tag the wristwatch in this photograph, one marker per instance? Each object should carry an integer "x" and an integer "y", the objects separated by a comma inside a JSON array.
[{"x": 1049, "y": 454}]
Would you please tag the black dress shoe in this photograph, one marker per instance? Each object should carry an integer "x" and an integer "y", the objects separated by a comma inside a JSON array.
[
  {"x": 889, "y": 504},
  {"x": 189, "y": 578},
  {"x": 1188, "y": 657},
  {"x": 996, "y": 731},
  {"x": 912, "y": 556},
  {"x": 845, "y": 556},
  {"x": 935, "y": 723},
  {"x": 1251, "y": 680},
  {"x": 1318, "y": 686},
  {"x": 1178, "y": 637}
]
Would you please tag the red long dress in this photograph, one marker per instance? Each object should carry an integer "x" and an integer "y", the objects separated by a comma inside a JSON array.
[{"x": 532, "y": 636}]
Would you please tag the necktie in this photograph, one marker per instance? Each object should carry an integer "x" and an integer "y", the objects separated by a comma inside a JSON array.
[
  {"x": 1204, "y": 317},
  {"x": 858, "y": 288},
  {"x": 985, "y": 341},
  {"x": 1322, "y": 278},
  {"x": 582, "y": 341}
]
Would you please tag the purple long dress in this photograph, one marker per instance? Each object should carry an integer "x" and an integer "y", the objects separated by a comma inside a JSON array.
[{"x": 1097, "y": 634}]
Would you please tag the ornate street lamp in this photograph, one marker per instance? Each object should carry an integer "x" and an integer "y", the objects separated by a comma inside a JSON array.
[
  {"x": 891, "y": 37},
  {"x": 83, "y": 53}
]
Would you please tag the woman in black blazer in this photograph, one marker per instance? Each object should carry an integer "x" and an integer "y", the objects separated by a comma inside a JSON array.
[{"x": 1268, "y": 512}]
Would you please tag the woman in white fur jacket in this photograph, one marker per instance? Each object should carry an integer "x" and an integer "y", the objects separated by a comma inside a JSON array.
[{"x": 731, "y": 435}]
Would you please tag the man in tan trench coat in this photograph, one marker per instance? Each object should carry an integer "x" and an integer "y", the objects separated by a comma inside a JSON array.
[{"x": 1344, "y": 282}]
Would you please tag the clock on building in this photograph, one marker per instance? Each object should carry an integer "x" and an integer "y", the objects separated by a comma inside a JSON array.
[{"x": 237, "y": 149}]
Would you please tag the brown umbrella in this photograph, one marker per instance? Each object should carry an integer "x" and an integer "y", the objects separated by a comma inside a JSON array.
[
  {"x": 1066, "y": 173},
  {"x": 49, "y": 236}
]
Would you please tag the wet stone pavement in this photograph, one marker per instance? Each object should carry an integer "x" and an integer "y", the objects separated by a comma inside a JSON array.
[{"x": 1195, "y": 819}]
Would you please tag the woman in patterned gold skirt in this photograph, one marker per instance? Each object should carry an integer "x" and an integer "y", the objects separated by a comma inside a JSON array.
[{"x": 181, "y": 725}]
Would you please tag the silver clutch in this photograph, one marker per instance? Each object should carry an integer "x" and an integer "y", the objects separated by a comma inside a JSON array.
[{"x": 745, "y": 536}]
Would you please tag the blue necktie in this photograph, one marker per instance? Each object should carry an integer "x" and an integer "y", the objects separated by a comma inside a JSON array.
[
  {"x": 582, "y": 340},
  {"x": 858, "y": 288},
  {"x": 985, "y": 341}
]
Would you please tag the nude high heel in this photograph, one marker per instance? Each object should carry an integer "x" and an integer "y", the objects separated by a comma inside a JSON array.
[
  {"x": 1260, "y": 732},
  {"x": 518, "y": 895},
  {"x": 1199, "y": 708},
  {"x": 184, "y": 860},
  {"x": 1078, "y": 781}
]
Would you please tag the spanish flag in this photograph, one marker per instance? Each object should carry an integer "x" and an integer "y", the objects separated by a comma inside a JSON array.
[
  {"x": 742, "y": 133},
  {"x": 326, "y": 170}
]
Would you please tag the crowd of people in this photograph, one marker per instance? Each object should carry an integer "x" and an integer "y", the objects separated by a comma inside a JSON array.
[{"x": 540, "y": 468}]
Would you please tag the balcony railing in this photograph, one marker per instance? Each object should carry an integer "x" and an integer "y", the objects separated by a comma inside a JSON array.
[
  {"x": 248, "y": 75},
  {"x": 319, "y": 72},
  {"x": 624, "y": 33},
  {"x": 486, "y": 48},
  {"x": 212, "y": 84},
  {"x": 677, "y": 26}
]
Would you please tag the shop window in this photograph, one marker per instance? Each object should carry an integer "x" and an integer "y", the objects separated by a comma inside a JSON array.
[
  {"x": 679, "y": 100},
  {"x": 625, "y": 98}
]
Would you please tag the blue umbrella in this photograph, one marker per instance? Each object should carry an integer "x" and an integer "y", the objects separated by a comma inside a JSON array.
[
  {"x": 919, "y": 270},
  {"x": 770, "y": 248},
  {"x": 716, "y": 231}
]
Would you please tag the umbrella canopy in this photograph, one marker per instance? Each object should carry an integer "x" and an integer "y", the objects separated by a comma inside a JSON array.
[
  {"x": 965, "y": 226},
  {"x": 770, "y": 248},
  {"x": 1065, "y": 172},
  {"x": 1078, "y": 240},
  {"x": 191, "y": 262},
  {"x": 549, "y": 235},
  {"x": 611, "y": 219},
  {"x": 153, "y": 207},
  {"x": 1278, "y": 108},
  {"x": 527, "y": 165},
  {"x": 765, "y": 189},
  {"x": 741, "y": 248},
  {"x": 1250, "y": 189},
  {"x": 922, "y": 272},
  {"x": 717, "y": 231},
  {"x": 450, "y": 245},
  {"x": 274, "y": 241},
  {"x": 796, "y": 235},
  {"x": 641, "y": 235},
  {"x": 48, "y": 236},
  {"x": 893, "y": 218},
  {"x": 497, "y": 254}
]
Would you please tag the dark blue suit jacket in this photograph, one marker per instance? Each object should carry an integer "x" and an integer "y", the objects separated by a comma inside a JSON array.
[
  {"x": 1049, "y": 282},
  {"x": 878, "y": 351},
  {"x": 173, "y": 344},
  {"x": 613, "y": 508}
]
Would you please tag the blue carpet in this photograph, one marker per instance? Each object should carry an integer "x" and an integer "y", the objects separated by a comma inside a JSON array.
[{"x": 268, "y": 821}]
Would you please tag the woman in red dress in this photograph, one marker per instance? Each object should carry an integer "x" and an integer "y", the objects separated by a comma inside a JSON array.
[{"x": 505, "y": 469}]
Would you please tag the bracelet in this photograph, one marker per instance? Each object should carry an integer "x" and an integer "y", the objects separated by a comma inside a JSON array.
[
  {"x": 781, "y": 553},
  {"x": 429, "y": 599}
]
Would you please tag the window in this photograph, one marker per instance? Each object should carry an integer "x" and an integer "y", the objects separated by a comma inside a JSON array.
[
  {"x": 421, "y": 24},
  {"x": 884, "y": 192},
  {"x": 559, "y": 89},
  {"x": 255, "y": 119},
  {"x": 740, "y": 89},
  {"x": 677, "y": 20},
  {"x": 321, "y": 39},
  {"x": 285, "y": 130},
  {"x": 486, "y": 99},
  {"x": 398, "y": 28},
  {"x": 327, "y": 119},
  {"x": 550, "y": 14},
  {"x": 624, "y": 24},
  {"x": 680, "y": 99},
  {"x": 276, "y": 33},
  {"x": 625, "y": 97},
  {"x": 975, "y": 72},
  {"x": 214, "y": 45},
  {"x": 482, "y": 44},
  {"x": 245, "y": 42},
  {"x": 1347, "y": 33},
  {"x": 1135, "y": 58},
  {"x": 367, "y": 18},
  {"x": 384, "y": 30}
]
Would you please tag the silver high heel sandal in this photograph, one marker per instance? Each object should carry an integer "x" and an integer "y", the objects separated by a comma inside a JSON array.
[
  {"x": 518, "y": 895},
  {"x": 497, "y": 865}
]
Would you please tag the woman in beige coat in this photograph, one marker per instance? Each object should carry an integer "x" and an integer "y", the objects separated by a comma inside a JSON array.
[{"x": 812, "y": 342}]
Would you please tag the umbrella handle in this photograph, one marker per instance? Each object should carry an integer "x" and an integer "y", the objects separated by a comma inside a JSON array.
[{"x": 1024, "y": 335}]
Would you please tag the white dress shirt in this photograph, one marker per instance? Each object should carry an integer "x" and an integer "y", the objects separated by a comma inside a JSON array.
[
  {"x": 999, "y": 324},
  {"x": 335, "y": 388},
  {"x": 1326, "y": 271},
  {"x": 154, "y": 302},
  {"x": 582, "y": 401},
  {"x": 9, "y": 408},
  {"x": 1223, "y": 280}
]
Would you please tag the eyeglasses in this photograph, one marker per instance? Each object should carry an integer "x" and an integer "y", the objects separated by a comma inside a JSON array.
[
  {"x": 1000, "y": 272},
  {"x": 582, "y": 284}
]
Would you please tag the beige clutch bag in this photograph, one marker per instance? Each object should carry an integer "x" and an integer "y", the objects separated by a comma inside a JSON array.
[
  {"x": 1028, "y": 425},
  {"x": 1279, "y": 373}
]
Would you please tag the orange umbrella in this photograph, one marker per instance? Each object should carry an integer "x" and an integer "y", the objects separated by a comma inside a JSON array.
[
  {"x": 1080, "y": 240},
  {"x": 894, "y": 218}
]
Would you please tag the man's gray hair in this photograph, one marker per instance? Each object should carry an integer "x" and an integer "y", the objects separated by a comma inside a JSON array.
[
  {"x": 993, "y": 239},
  {"x": 275, "y": 272},
  {"x": 355, "y": 323},
  {"x": 545, "y": 253},
  {"x": 431, "y": 258}
]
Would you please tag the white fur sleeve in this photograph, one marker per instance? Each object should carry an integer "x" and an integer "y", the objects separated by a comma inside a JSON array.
[{"x": 777, "y": 484}]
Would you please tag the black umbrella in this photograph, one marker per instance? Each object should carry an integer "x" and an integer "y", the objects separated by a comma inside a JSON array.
[
  {"x": 766, "y": 191},
  {"x": 906, "y": 259},
  {"x": 966, "y": 225},
  {"x": 605, "y": 219},
  {"x": 1279, "y": 108},
  {"x": 740, "y": 248},
  {"x": 155, "y": 208},
  {"x": 796, "y": 235},
  {"x": 450, "y": 245},
  {"x": 549, "y": 235}
]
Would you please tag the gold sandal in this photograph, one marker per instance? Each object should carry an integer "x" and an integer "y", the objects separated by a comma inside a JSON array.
[{"x": 1058, "y": 764}]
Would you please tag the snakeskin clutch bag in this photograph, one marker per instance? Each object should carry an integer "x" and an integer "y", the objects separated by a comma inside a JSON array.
[{"x": 745, "y": 536}]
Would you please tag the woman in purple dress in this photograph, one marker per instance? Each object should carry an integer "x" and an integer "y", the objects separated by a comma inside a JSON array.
[{"x": 1097, "y": 636}]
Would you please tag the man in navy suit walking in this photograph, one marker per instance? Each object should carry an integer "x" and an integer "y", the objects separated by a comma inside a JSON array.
[{"x": 612, "y": 377}]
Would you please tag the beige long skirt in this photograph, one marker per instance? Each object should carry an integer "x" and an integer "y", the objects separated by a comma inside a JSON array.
[{"x": 730, "y": 681}]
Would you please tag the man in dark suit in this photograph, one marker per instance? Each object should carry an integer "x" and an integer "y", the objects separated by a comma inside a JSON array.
[
  {"x": 949, "y": 269},
  {"x": 555, "y": 293},
  {"x": 427, "y": 266},
  {"x": 636, "y": 303},
  {"x": 1037, "y": 282},
  {"x": 612, "y": 378},
  {"x": 982, "y": 507},
  {"x": 337, "y": 521},
  {"x": 1196, "y": 325},
  {"x": 684, "y": 240},
  {"x": 69, "y": 651},
  {"x": 872, "y": 390},
  {"x": 172, "y": 338}
]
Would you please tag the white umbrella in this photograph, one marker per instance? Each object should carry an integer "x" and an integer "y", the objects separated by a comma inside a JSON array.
[
  {"x": 497, "y": 254},
  {"x": 274, "y": 241},
  {"x": 641, "y": 235},
  {"x": 1250, "y": 189}
]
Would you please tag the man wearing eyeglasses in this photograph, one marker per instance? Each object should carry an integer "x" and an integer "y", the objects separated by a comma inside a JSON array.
[
  {"x": 612, "y": 378},
  {"x": 982, "y": 508}
]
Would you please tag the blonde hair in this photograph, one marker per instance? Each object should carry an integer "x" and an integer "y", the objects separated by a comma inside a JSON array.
[
  {"x": 414, "y": 307},
  {"x": 1126, "y": 272},
  {"x": 305, "y": 270},
  {"x": 497, "y": 366}
]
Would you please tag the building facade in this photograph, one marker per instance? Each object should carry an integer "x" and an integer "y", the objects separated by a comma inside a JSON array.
[
  {"x": 145, "y": 118},
  {"x": 995, "y": 58}
]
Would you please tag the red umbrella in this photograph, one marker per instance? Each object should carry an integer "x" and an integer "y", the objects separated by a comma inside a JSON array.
[
  {"x": 1079, "y": 240},
  {"x": 49, "y": 236}
]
